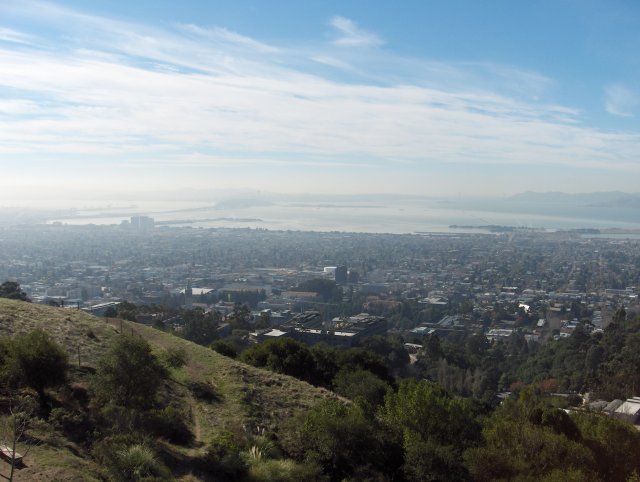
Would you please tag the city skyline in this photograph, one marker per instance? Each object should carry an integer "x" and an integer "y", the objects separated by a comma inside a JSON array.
[{"x": 320, "y": 97}]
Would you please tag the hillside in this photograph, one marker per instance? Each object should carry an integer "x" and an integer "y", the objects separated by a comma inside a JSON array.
[{"x": 244, "y": 398}]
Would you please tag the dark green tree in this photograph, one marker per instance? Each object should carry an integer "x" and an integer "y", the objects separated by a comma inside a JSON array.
[
  {"x": 41, "y": 362},
  {"x": 433, "y": 427},
  {"x": 12, "y": 290},
  {"x": 346, "y": 444},
  {"x": 530, "y": 439},
  {"x": 283, "y": 356},
  {"x": 128, "y": 375},
  {"x": 361, "y": 386},
  {"x": 200, "y": 327},
  {"x": 224, "y": 348}
]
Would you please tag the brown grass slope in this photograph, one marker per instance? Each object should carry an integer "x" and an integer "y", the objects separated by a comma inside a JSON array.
[{"x": 246, "y": 398}]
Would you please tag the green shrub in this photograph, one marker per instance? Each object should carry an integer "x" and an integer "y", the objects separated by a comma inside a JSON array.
[
  {"x": 224, "y": 348},
  {"x": 41, "y": 362},
  {"x": 75, "y": 425},
  {"x": 203, "y": 391},
  {"x": 130, "y": 458},
  {"x": 168, "y": 423},
  {"x": 284, "y": 471},
  {"x": 128, "y": 375},
  {"x": 175, "y": 357},
  {"x": 223, "y": 459}
]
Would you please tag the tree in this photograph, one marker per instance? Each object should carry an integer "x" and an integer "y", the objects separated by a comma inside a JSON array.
[
  {"x": 12, "y": 290},
  {"x": 283, "y": 356},
  {"x": 201, "y": 328},
  {"x": 21, "y": 412},
  {"x": 433, "y": 428},
  {"x": 41, "y": 362},
  {"x": 128, "y": 375},
  {"x": 361, "y": 386},
  {"x": 327, "y": 289},
  {"x": 530, "y": 439},
  {"x": 263, "y": 321},
  {"x": 346, "y": 444},
  {"x": 390, "y": 348},
  {"x": 359, "y": 358},
  {"x": 224, "y": 348},
  {"x": 239, "y": 317},
  {"x": 326, "y": 364}
]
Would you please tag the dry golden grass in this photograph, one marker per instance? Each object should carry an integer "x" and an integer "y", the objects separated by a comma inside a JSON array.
[{"x": 246, "y": 397}]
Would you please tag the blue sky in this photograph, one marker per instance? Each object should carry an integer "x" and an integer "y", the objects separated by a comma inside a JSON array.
[{"x": 421, "y": 97}]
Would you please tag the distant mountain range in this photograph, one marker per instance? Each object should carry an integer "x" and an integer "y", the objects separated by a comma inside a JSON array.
[{"x": 594, "y": 199}]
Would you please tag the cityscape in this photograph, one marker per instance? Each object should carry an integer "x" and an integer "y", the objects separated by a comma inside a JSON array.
[{"x": 542, "y": 283}]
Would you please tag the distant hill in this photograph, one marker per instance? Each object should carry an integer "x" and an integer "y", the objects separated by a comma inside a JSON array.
[
  {"x": 244, "y": 396},
  {"x": 593, "y": 199}
]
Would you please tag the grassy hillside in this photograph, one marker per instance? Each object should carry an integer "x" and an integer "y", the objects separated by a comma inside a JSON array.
[{"x": 244, "y": 398}]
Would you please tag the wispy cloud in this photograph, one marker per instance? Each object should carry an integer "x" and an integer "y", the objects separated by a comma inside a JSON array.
[
  {"x": 352, "y": 35},
  {"x": 114, "y": 93},
  {"x": 620, "y": 100},
  {"x": 9, "y": 35},
  {"x": 222, "y": 34}
]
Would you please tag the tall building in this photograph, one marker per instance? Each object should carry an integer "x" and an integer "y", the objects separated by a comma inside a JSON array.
[
  {"x": 341, "y": 275},
  {"x": 188, "y": 295},
  {"x": 142, "y": 223}
]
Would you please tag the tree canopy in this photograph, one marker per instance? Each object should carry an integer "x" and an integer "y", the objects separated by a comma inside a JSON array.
[
  {"x": 12, "y": 290},
  {"x": 128, "y": 375},
  {"x": 41, "y": 362}
]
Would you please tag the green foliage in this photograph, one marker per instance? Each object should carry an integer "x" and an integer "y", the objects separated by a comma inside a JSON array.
[
  {"x": 203, "y": 391},
  {"x": 168, "y": 423},
  {"x": 224, "y": 348},
  {"x": 607, "y": 364},
  {"x": 128, "y": 375},
  {"x": 240, "y": 317},
  {"x": 325, "y": 359},
  {"x": 433, "y": 428},
  {"x": 284, "y": 471},
  {"x": 127, "y": 311},
  {"x": 9, "y": 371},
  {"x": 200, "y": 327},
  {"x": 223, "y": 459},
  {"x": 327, "y": 289},
  {"x": 175, "y": 357},
  {"x": 341, "y": 440},
  {"x": 530, "y": 438},
  {"x": 12, "y": 291},
  {"x": 76, "y": 425},
  {"x": 249, "y": 297},
  {"x": 263, "y": 321},
  {"x": 41, "y": 362},
  {"x": 361, "y": 386},
  {"x": 359, "y": 358},
  {"x": 615, "y": 444},
  {"x": 390, "y": 348},
  {"x": 128, "y": 458},
  {"x": 282, "y": 356}
]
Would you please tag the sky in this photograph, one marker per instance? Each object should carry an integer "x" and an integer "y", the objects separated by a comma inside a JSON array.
[{"x": 110, "y": 97}]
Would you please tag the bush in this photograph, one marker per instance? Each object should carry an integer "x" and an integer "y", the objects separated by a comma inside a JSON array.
[
  {"x": 223, "y": 459},
  {"x": 130, "y": 458},
  {"x": 284, "y": 471},
  {"x": 286, "y": 356},
  {"x": 175, "y": 357},
  {"x": 41, "y": 362},
  {"x": 128, "y": 375},
  {"x": 75, "y": 425},
  {"x": 168, "y": 423},
  {"x": 224, "y": 348},
  {"x": 204, "y": 391}
]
